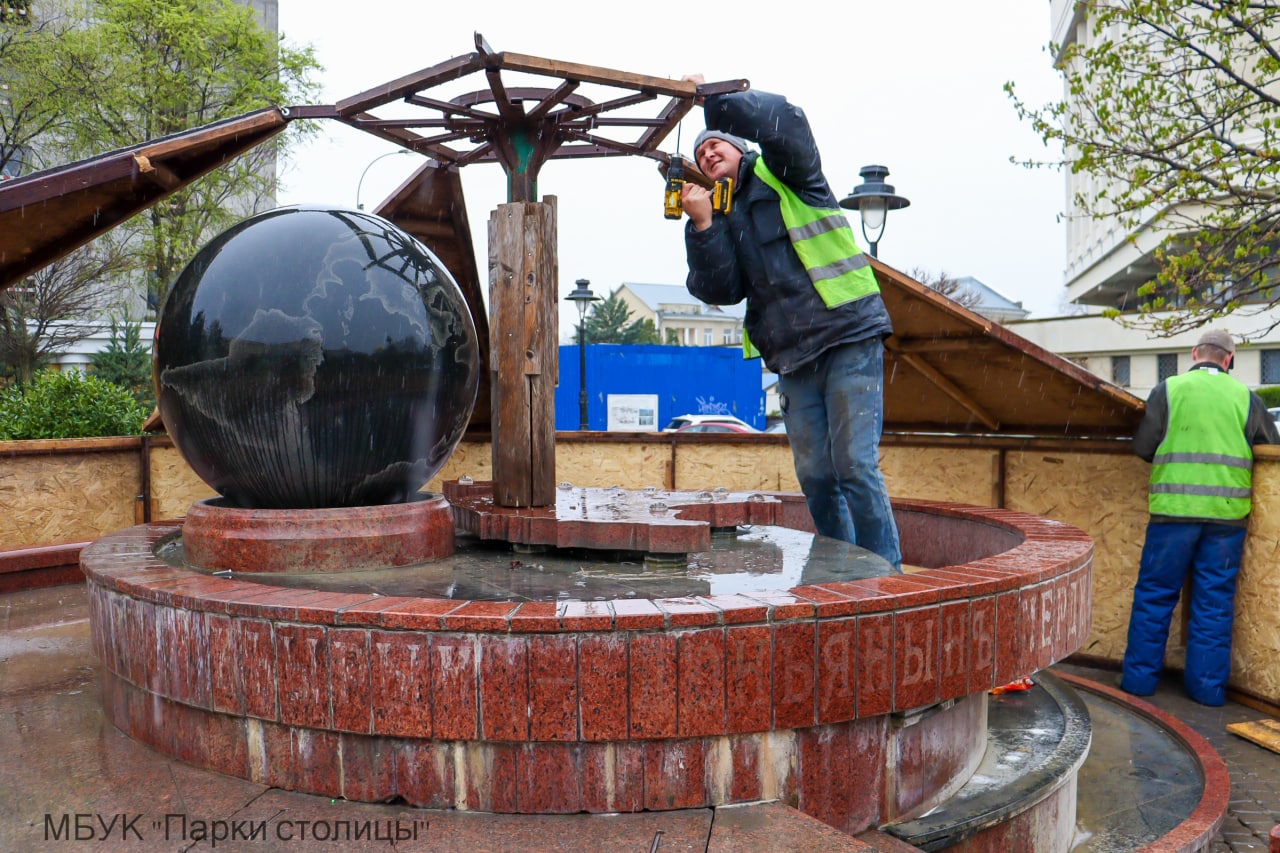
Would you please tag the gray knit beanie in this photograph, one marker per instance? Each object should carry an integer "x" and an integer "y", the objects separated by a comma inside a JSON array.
[{"x": 736, "y": 141}]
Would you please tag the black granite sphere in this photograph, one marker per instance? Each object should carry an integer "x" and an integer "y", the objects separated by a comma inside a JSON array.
[{"x": 311, "y": 357}]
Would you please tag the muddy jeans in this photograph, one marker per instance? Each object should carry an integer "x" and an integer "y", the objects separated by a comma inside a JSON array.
[{"x": 834, "y": 409}]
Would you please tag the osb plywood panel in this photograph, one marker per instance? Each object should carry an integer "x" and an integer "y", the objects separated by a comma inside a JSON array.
[
  {"x": 1255, "y": 652},
  {"x": 630, "y": 466},
  {"x": 472, "y": 459},
  {"x": 174, "y": 486},
  {"x": 738, "y": 467},
  {"x": 46, "y": 500},
  {"x": 940, "y": 474},
  {"x": 1106, "y": 496}
]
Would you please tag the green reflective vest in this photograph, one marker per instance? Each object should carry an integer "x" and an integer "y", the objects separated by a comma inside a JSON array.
[
  {"x": 824, "y": 242},
  {"x": 1204, "y": 466}
]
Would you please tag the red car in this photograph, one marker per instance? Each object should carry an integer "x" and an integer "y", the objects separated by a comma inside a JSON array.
[{"x": 722, "y": 426}]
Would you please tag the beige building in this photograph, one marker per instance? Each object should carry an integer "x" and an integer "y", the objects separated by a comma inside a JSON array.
[{"x": 680, "y": 318}]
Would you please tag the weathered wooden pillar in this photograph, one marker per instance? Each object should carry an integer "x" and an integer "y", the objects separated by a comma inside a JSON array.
[{"x": 524, "y": 351}]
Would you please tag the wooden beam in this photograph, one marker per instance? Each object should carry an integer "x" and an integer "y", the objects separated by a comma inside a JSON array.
[
  {"x": 157, "y": 172},
  {"x": 450, "y": 69},
  {"x": 944, "y": 385}
]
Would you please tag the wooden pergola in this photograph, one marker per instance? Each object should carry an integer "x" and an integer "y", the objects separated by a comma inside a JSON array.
[{"x": 947, "y": 369}]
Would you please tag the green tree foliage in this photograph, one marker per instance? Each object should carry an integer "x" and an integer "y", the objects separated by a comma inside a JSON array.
[
  {"x": 68, "y": 404},
  {"x": 609, "y": 322},
  {"x": 126, "y": 361},
  {"x": 131, "y": 71},
  {"x": 1173, "y": 109}
]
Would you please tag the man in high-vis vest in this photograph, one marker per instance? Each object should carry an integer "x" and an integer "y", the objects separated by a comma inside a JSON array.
[
  {"x": 1197, "y": 433},
  {"x": 813, "y": 304}
]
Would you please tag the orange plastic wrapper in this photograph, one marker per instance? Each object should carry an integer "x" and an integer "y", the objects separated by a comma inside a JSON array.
[{"x": 1013, "y": 686}]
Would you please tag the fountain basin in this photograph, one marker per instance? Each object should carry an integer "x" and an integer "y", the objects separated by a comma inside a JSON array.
[{"x": 859, "y": 702}]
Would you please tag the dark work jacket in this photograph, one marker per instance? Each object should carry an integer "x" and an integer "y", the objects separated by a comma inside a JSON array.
[
  {"x": 1259, "y": 428},
  {"x": 747, "y": 254}
]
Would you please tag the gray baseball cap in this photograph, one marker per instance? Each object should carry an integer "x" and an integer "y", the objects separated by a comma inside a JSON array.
[{"x": 1217, "y": 338}]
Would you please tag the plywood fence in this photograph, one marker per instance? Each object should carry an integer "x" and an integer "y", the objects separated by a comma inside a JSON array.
[{"x": 68, "y": 491}]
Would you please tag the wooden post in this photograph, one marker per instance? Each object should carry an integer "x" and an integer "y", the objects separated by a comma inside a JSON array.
[{"x": 524, "y": 351}]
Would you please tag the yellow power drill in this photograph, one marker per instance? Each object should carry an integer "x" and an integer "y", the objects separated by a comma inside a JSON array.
[{"x": 677, "y": 174}]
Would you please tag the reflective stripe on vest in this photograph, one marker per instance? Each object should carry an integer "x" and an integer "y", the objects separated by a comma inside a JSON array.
[
  {"x": 824, "y": 242},
  {"x": 1204, "y": 466}
]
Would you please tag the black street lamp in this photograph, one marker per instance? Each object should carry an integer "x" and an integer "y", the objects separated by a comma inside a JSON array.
[
  {"x": 873, "y": 198},
  {"x": 582, "y": 297}
]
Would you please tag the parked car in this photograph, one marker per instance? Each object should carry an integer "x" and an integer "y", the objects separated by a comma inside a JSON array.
[
  {"x": 779, "y": 427},
  {"x": 1275, "y": 415},
  {"x": 688, "y": 420},
  {"x": 719, "y": 426}
]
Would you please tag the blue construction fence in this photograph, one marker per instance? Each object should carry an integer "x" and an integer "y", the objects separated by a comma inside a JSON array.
[{"x": 686, "y": 380}]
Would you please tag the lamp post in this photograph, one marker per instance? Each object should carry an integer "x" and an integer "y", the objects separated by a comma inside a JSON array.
[
  {"x": 582, "y": 297},
  {"x": 873, "y": 199},
  {"x": 360, "y": 183}
]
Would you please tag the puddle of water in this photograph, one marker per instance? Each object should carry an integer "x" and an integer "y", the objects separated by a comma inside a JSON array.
[{"x": 759, "y": 558}]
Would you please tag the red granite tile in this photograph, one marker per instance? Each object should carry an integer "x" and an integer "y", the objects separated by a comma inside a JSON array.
[
  {"x": 224, "y": 744},
  {"x": 586, "y": 615},
  {"x": 351, "y": 687},
  {"x": 493, "y": 789},
  {"x": 749, "y": 678},
  {"x": 368, "y": 768},
  {"x": 1030, "y": 631},
  {"x": 906, "y": 590},
  {"x": 303, "y": 655},
  {"x": 150, "y": 675},
  {"x": 454, "y": 671},
  {"x": 1008, "y": 637},
  {"x": 504, "y": 687},
  {"x": 736, "y": 609},
  {"x": 700, "y": 701},
  {"x": 689, "y": 612},
  {"x": 533, "y": 617},
  {"x": 400, "y": 681},
  {"x": 982, "y": 643},
  {"x": 553, "y": 687},
  {"x": 328, "y": 608},
  {"x": 953, "y": 650},
  {"x": 548, "y": 779},
  {"x": 675, "y": 775},
  {"x": 867, "y": 599},
  {"x": 227, "y": 686},
  {"x": 612, "y": 777},
  {"x": 480, "y": 616},
  {"x": 837, "y": 669},
  {"x": 418, "y": 614},
  {"x": 636, "y": 615},
  {"x": 272, "y": 602},
  {"x": 1049, "y": 639},
  {"x": 652, "y": 685},
  {"x": 369, "y": 611},
  {"x": 794, "y": 673},
  {"x": 602, "y": 679},
  {"x": 170, "y": 658},
  {"x": 424, "y": 773},
  {"x": 196, "y": 641},
  {"x": 915, "y": 658},
  {"x": 830, "y": 603},
  {"x": 278, "y": 764},
  {"x": 784, "y": 606},
  {"x": 256, "y": 656},
  {"x": 317, "y": 759},
  {"x": 875, "y": 664},
  {"x": 747, "y": 784},
  {"x": 839, "y": 768},
  {"x": 976, "y": 583}
]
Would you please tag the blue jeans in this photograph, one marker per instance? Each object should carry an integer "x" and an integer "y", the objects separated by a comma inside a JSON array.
[
  {"x": 834, "y": 410},
  {"x": 1210, "y": 554}
]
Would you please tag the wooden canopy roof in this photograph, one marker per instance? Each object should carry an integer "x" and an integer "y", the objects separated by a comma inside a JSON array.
[{"x": 48, "y": 214}]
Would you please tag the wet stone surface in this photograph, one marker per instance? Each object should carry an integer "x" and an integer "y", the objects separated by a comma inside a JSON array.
[{"x": 746, "y": 559}]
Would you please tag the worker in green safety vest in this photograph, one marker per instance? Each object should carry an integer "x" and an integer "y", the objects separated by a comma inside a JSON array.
[
  {"x": 1198, "y": 433},
  {"x": 814, "y": 311}
]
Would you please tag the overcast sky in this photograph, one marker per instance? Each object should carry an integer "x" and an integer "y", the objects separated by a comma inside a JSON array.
[{"x": 915, "y": 85}]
